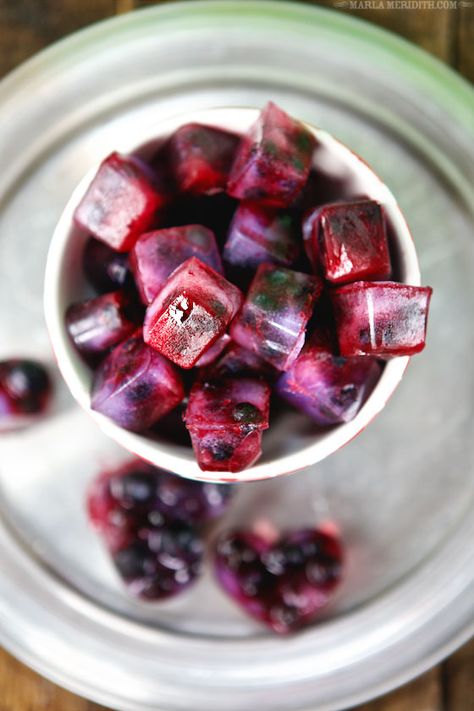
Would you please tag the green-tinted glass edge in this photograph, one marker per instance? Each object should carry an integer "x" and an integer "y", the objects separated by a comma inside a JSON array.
[{"x": 428, "y": 71}]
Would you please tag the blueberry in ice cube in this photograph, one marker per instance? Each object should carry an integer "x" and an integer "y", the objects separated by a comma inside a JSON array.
[{"x": 135, "y": 386}]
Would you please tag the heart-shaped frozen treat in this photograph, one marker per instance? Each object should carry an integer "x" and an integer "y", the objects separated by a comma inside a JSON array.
[{"x": 282, "y": 583}]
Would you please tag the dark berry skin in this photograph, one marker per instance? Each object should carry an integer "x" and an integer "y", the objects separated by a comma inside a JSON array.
[
  {"x": 149, "y": 521},
  {"x": 105, "y": 269},
  {"x": 160, "y": 561},
  {"x": 190, "y": 500},
  {"x": 138, "y": 495},
  {"x": 119, "y": 502},
  {"x": 282, "y": 584},
  {"x": 25, "y": 389}
]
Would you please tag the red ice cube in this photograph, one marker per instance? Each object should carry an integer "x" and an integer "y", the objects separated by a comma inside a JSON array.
[
  {"x": 348, "y": 240},
  {"x": 190, "y": 313},
  {"x": 225, "y": 419},
  {"x": 200, "y": 158},
  {"x": 120, "y": 203},
  {"x": 273, "y": 160},
  {"x": 381, "y": 318}
]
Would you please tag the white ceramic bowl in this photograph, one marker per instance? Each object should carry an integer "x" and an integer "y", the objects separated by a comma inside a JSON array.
[{"x": 292, "y": 443}]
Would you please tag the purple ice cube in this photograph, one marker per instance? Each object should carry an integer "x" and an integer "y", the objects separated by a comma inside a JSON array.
[
  {"x": 135, "y": 386},
  {"x": 328, "y": 388},
  {"x": 157, "y": 254},
  {"x": 260, "y": 234},
  {"x": 273, "y": 319},
  {"x": 98, "y": 324},
  {"x": 284, "y": 581}
]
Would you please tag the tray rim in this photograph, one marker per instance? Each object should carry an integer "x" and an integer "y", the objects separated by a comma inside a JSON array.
[{"x": 440, "y": 76}]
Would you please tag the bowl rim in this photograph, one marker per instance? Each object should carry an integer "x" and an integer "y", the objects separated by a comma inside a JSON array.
[{"x": 70, "y": 364}]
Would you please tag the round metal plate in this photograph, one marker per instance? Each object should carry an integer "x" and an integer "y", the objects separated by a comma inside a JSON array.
[{"x": 402, "y": 492}]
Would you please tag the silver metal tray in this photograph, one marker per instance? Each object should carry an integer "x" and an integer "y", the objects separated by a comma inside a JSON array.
[{"x": 402, "y": 492}]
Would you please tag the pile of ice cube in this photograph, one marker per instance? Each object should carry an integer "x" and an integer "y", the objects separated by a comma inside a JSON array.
[{"x": 297, "y": 306}]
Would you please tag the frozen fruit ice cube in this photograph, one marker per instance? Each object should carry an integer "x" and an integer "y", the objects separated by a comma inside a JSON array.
[
  {"x": 120, "y": 203},
  {"x": 260, "y": 234},
  {"x": 225, "y": 450},
  {"x": 119, "y": 501},
  {"x": 381, "y": 318},
  {"x": 106, "y": 269},
  {"x": 214, "y": 351},
  {"x": 273, "y": 319},
  {"x": 157, "y": 254},
  {"x": 348, "y": 240},
  {"x": 135, "y": 495},
  {"x": 328, "y": 388},
  {"x": 190, "y": 313},
  {"x": 191, "y": 501},
  {"x": 161, "y": 561},
  {"x": 225, "y": 419},
  {"x": 273, "y": 160},
  {"x": 25, "y": 391},
  {"x": 200, "y": 158},
  {"x": 229, "y": 403},
  {"x": 157, "y": 555},
  {"x": 282, "y": 583},
  {"x": 98, "y": 324},
  {"x": 135, "y": 386}
]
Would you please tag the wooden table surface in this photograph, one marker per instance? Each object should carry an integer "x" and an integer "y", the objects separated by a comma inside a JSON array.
[{"x": 27, "y": 26}]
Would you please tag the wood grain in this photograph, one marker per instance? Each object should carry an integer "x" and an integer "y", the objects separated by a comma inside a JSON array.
[
  {"x": 429, "y": 29},
  {"x": 26, "y": 26},
  {"x": 23, "y": 690},
  {"x": 458, "y": 680},
  {"x": 464, "y": 43},
  {"x": 29, "y": 25},
  {"x": 423, "y": 694}
]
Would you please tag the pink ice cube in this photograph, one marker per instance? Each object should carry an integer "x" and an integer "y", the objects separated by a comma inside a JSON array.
[
  {"x": 98, "y": 324},
  {"x": 200, "y": 158},
  {"x": 120, "y": 203},
  {"x": 157, "y": 254},
  {"x": 190, "y": 313}
]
